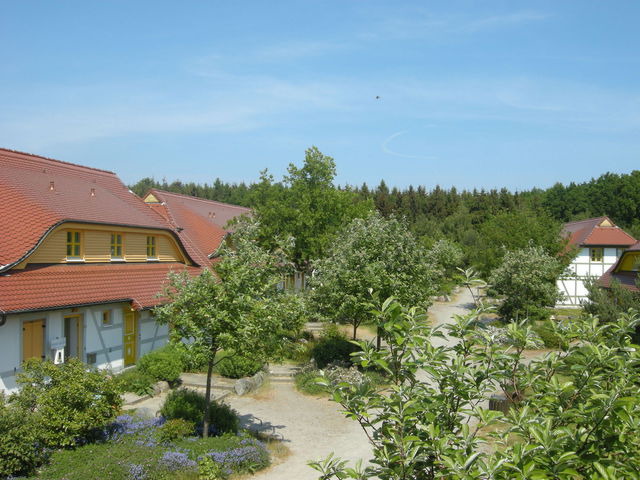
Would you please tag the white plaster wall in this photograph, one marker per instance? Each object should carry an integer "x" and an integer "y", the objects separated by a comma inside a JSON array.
[
  {"x": 582, "y": 268},
  {"x": 610, "y": 255},
  {"x": 10, "y": 351},
  {"x": 151, "y": 334},
  {"x": 104, "y": 341}
]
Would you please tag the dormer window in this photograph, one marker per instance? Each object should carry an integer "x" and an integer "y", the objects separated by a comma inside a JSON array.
[
  {"x": 116, "y": 246},
  {"x": 152, "y": 253},
  {"x": 74, "y": 245}
]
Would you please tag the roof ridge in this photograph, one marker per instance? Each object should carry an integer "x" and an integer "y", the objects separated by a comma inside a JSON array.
[
  {"x": 191, "y": 197},
  {"x": 588, "y": 220},
  {"x": 35, "y": 156}
]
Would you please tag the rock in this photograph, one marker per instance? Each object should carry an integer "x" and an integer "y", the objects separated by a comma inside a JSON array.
[
  {"x": 130, "y": 398},
  {"x": 160, "y": 387},
  {"x": 145, "y": 412},
  {"x": 243, "y": 386},
  {"x": 258, "y": 379}
]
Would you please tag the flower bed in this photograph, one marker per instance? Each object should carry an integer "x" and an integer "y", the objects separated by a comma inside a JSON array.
[{"x": 131, "y": 449}]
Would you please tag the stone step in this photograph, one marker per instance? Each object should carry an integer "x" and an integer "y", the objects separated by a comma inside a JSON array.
[
  {"x": 284, "y": 369},
  {"x": 214, "y": 386},
  {"x": 280, "y": 380},
  {"x": 314, "y": 326},
  {"x": 216, "y": 395}
]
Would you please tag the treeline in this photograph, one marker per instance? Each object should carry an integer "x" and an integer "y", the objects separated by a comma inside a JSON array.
[{"x": 485, "y": 223}]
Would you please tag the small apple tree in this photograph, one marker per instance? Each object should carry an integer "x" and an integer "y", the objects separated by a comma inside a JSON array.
[
  {"x": 236, "y": 306},
  {"x": 574, "y": 413}
]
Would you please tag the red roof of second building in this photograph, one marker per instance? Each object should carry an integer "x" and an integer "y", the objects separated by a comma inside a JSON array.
[
  {"x": 589, "y": 232},
  {"x": 37, "y": 193},
  {"x": 200, "y": 222},
  {"x": 39, "y": 287}
]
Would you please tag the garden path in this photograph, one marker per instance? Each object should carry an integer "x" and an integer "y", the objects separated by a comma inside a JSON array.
[{"x": 311, "y": 427}]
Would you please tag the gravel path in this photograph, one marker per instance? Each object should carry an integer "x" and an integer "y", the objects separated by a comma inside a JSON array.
[{"x": 311, "y": 427}]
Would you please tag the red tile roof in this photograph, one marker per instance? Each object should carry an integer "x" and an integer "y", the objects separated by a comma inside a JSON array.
[
  {"x": 200, "y": 222},
  {"x": 589, "y": 232},
  {"x": 39, "y": 287},
  {"x": 37, "y": 193},
  {"x": 627, "y": 279}
]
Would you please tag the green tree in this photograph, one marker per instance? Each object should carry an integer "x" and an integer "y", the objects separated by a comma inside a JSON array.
[
  {"x": 527, "y": 279},
  {"x": 371, "y": 254},
  {"x": 575, "y": 414},
  {"x": 306, "y": 206},
  {"x": 514, "y": 230},
  {"x": 608, "y": 304},
  {"x": 235, "y": 307}
]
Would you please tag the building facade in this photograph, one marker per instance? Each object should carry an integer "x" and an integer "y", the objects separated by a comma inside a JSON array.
[
  {"x": 83, "y": 261},
  {"x": 598, "y": 244}
]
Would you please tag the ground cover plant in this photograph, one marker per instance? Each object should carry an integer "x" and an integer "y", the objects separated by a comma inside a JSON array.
[
  {"x": 574, "y": 412},
  {"x": 136, "y": 449}
]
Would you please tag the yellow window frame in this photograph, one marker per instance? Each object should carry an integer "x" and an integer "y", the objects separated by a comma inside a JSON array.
[
  {"x": 74, "y": 244},
  {"x": 117, "y": 246},
  {"x": 152, "y": 251},
  {"x": 596, "y": 254}
]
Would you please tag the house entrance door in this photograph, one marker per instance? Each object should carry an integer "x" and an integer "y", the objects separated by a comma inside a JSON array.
[
  {"x": 73, "y": 334},
  {"x": 130, "y": 340},
  {"x": 33, "y": 339}
]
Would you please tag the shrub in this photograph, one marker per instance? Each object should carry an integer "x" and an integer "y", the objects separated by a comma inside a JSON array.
[
  {"x": 71, "y": 404},
  {"x": 192, "y": 357},
  {"x": 162, "y": 364},
  {"x": 306, "y": 382},
  {"x": 189, "y": 405},
  {"x": 237, "y": 366},
  {"x": 547, "y": 335},
  {"x": 20, "y": 441},
  {"x": 333, "y": 349},
  {"x": 176, "y": 428},
  {"x": 133, "y": 380}
]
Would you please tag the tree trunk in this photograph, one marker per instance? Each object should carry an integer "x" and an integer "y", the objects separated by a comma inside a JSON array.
[
  {"x": 472, "y": 296},
  {"x": 378, "y": 338},
  {"x": 207, "y": 400},
  {"x": 355, "y": 329}
]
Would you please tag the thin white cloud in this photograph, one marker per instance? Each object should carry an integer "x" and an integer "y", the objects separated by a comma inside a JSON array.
[
  {"x": 421, "y": 23},
  {"x": 500, "y": 21},
  {"x": 295, "y": 50},
  {"x": 387, "y": 149}
]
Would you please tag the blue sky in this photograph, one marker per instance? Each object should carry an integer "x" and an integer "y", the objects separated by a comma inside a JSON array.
[{"x": 472, "y": 94}]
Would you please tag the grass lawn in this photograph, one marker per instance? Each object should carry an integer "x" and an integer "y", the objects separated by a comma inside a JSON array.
[{"x": 132, "y": 451}]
